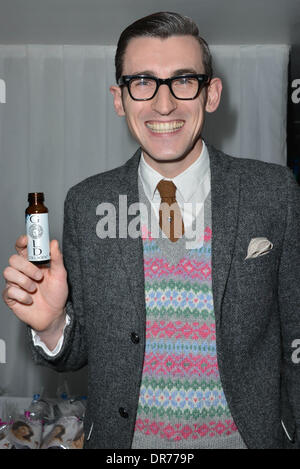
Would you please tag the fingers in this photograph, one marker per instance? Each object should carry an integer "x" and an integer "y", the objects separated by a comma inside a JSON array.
[
  {"x": 56, "y": 256},
  {"x": 20, "y": 264},
  {"x": 20, "y": 275},
  {"x": 21, "y": 245},
  {"x": 13, "y": 293},
  {"x": 13, "y": 276},
  {"x": 18, "y": 285}
]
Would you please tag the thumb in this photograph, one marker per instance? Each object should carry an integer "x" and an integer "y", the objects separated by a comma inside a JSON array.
[{"x": 56, "y": 256}]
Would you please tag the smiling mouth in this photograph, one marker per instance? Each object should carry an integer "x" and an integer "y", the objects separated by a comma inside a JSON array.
[{"x": 163, "y": 127}]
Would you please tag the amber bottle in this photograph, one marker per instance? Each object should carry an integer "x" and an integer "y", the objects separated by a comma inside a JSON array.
[{"x": 37, "y": 229}]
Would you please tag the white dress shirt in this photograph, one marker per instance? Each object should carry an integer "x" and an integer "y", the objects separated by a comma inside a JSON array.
[{"x": 193, "y": 186}]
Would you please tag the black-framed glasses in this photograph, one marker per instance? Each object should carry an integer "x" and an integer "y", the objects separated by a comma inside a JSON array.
[{"x": 145, "y": 87}]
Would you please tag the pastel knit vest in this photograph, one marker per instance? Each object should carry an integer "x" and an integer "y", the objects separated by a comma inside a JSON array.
[{"x": 182, "y": 404}]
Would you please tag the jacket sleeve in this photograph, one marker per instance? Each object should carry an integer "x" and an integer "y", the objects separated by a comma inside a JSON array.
[
  {"x": 73, "y": 352},
  {"x": 289, "y": 305}
]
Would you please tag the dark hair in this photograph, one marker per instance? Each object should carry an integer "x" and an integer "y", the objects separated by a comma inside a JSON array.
[
  {"x": 162, "y": 25},
  {"x": 20, "y": 424}
]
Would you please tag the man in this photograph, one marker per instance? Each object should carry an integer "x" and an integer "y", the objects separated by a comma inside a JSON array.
[{"x": 186, "y": 346}]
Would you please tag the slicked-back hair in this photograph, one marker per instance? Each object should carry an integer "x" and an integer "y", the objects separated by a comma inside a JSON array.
[{"x": 161, "y": 25}]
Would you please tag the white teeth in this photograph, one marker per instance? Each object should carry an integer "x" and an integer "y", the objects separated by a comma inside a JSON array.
[{"x": 161, "y": 127}]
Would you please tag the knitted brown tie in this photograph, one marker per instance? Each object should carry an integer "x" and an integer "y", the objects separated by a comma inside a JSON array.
[{"x": 170, "y": 219}]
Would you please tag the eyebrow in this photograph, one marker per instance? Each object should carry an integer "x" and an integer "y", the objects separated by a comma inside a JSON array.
[{"x": 180, "y": 71}]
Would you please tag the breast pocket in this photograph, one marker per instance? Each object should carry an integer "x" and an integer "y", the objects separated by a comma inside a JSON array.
[
  {"x": 256, "y": 278},
  {"x": 266, "y": 260},
  {"x": 260, "y": 265}
]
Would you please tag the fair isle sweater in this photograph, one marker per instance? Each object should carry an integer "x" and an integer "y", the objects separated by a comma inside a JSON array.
[{"x": 181, "y": 403}]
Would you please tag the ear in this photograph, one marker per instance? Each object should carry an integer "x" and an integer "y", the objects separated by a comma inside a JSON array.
[
  {"x": 214, "y": 91},
  {"x": 118, "y": 103}
]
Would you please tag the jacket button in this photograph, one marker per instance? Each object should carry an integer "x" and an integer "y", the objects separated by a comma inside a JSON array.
[
  {"x": 123, "y": 413},
  {"x": 135, "y": 338}
]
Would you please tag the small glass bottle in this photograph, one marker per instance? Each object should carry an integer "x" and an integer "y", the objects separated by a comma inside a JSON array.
[{"x": 37, "y": 229}]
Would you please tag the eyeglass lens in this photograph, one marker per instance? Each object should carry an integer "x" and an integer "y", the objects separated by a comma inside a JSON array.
[{"x": 145, "y": 88}]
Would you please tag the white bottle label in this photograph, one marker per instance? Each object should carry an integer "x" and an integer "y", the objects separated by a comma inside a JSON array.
[{"x": 37, "y": 230}]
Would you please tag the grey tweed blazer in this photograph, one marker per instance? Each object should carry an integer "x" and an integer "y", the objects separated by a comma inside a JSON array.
[{"x": 256, "y": 302}]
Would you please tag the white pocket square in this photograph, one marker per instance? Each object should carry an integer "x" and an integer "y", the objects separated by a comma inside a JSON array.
[{"x": 258, "y": 247}]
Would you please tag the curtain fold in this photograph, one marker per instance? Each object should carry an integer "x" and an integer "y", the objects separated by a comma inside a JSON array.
[{"x": 58, "y": 126}]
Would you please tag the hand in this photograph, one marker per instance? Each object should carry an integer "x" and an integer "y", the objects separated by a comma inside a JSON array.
[{"x": 36, "y": 294}]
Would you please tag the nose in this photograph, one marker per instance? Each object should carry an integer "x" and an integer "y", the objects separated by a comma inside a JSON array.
[{"x": 163, "y": 102}]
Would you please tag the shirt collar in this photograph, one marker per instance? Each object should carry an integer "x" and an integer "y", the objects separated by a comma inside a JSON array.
[{"x": 186, "y": 182}]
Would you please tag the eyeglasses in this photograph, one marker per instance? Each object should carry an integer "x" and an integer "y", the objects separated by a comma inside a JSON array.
[{"x": 144, "y": 87}]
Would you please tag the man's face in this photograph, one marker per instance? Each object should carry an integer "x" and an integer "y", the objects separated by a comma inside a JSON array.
[{"x": 182, "y": 121}]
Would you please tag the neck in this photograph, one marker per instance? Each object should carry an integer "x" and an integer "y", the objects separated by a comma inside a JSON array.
[{"x": 172, "y": 168}]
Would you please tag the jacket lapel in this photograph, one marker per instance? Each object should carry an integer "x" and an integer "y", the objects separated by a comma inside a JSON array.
[
  {"x": 131, "y": 248},
  {"x": 225, "y": 190}
]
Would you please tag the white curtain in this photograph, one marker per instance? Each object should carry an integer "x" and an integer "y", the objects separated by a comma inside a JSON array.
[{"x": 58, "y": 126}]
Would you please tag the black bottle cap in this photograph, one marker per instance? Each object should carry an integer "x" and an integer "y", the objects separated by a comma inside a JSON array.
[{"x": 36, "y": 197}]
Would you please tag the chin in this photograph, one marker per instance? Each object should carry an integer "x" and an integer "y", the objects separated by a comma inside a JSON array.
[{"x": 165, "y": 157}]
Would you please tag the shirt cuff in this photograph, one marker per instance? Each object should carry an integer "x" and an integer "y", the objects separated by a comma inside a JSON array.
[{"x": 38, "y": 342}]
